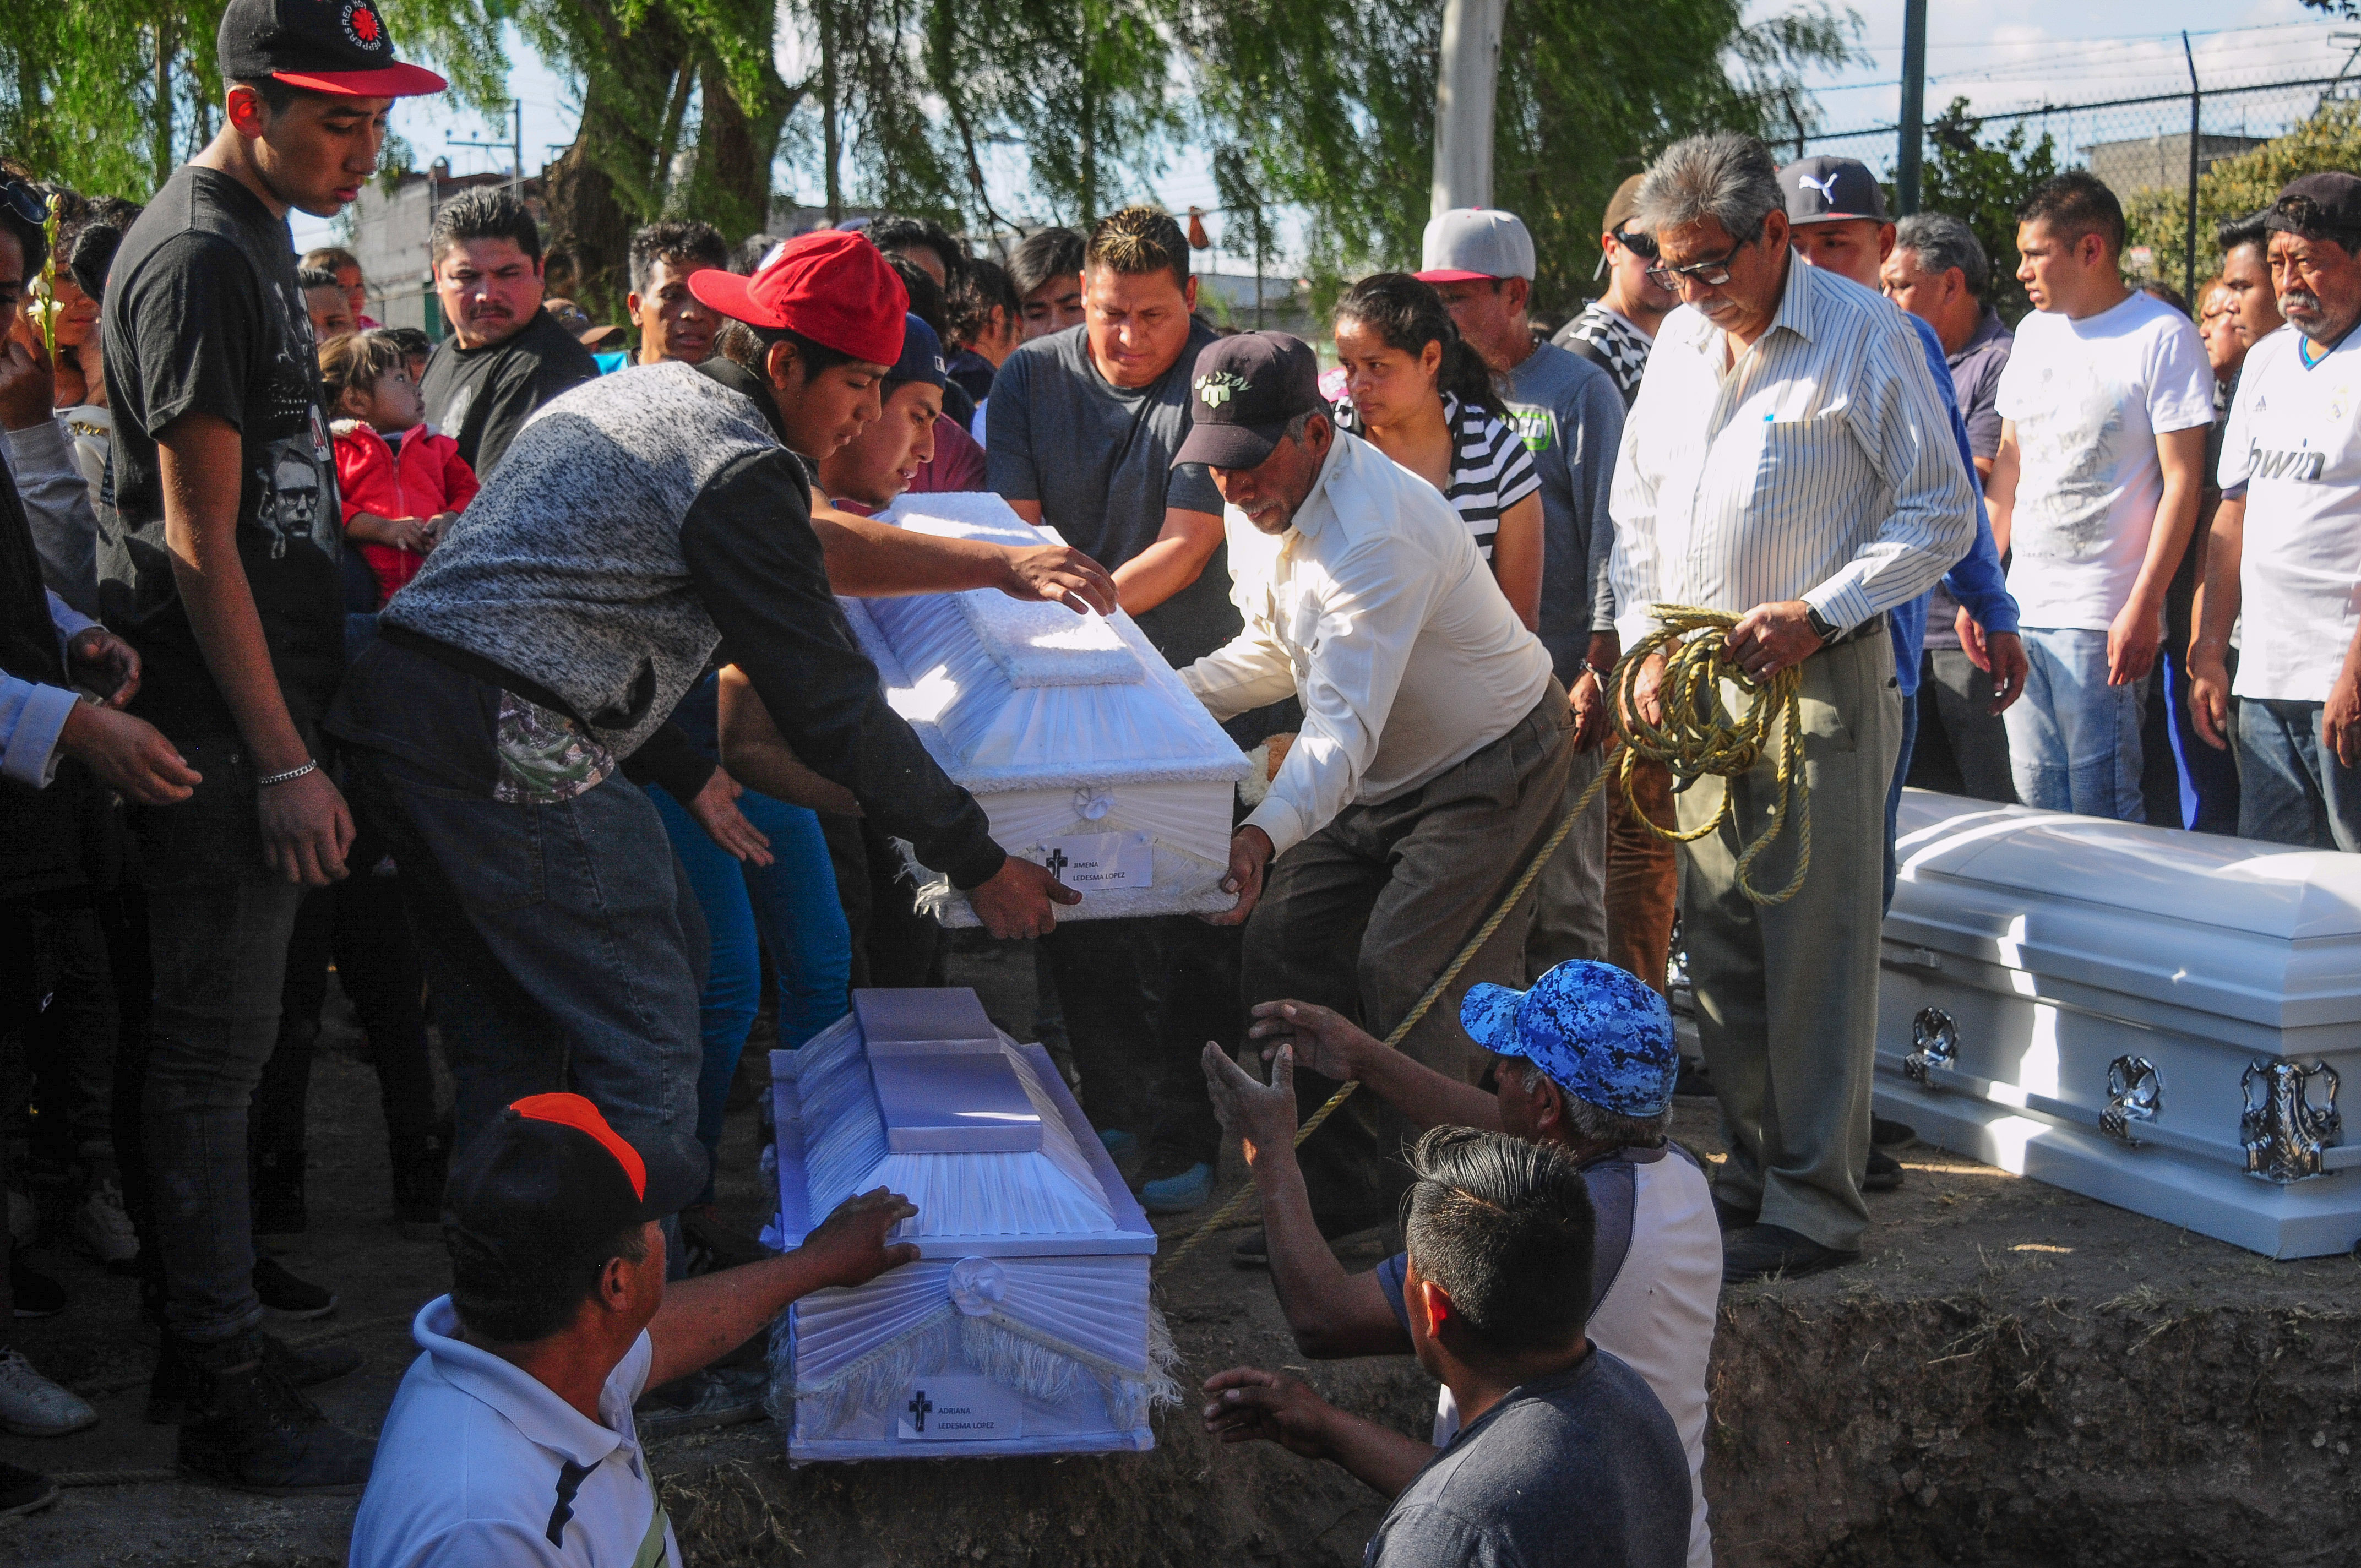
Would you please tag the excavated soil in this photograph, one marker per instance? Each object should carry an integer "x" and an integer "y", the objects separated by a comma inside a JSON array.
[{"x": 2015, "y": 1376}]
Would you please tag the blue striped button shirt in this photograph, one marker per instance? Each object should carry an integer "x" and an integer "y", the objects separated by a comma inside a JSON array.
[{"x": 1820, "y": 467}]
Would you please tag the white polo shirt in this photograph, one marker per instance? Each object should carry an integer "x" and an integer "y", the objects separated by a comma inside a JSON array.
[{"x": 474, "y": 1455}]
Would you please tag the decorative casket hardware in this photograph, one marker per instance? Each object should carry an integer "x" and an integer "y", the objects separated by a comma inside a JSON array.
[
  {"x": 2285, "y": 1133},
  {"x": 1025, "y": 1326},
  {"x": 1084, "y": 749},
  {"x": 2082, "y": 966},
  {"x": 2135, "y": 1093}
]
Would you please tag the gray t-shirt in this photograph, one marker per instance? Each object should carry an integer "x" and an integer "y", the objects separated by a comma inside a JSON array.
[
  {"x": 1975, "y": 383},
  {"x": 1571, "y": 417},
  {"x": 1579, "y": 1469},
  {"x": 1099, "y": 459}
]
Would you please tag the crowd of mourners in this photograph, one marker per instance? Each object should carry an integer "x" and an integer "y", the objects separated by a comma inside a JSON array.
[{"x": 504, "y": 676}]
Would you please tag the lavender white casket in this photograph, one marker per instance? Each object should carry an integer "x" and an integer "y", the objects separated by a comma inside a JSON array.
[
  {"x": 1077, "y": 739},
  {"x": 2157, "y": 1019},
  {"x": 1025, "y": 1326}
]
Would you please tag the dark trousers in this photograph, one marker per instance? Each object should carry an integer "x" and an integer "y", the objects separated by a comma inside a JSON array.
[
  {"x": 1365, "y": 914},
  {"x": 1962, "y": 746},
  {"x": 218, "y": 923},
  {"x": 564, "y": 943},
  {"x": 892, "y": 944},
  {"x": 1141, "y": 998},
  {"x": 360, "y": 924}
]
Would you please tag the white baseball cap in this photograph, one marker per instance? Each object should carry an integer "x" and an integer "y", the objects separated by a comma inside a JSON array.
[{"x": 1469, "y": 245}]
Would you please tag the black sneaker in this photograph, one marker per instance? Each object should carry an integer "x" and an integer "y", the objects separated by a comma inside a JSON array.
[
  {"x": 419, "y": 1166},
  {"x": 1730, "y": 1217},
  {"x": 1760, "y": 1251},
  {"x": 1884, "y": 1172},
  {"x": 252, "y": 1432},
  {"x": 1693, "y": 1082},
  {"x": 1888, "y": 1134},
  {"x": 716, "y": 1396},
  {"x": 282, "y": 1292},
  {"x": 305, "y": 1367},
  {"x": 37, "y": 1295},
  {"x": 712, "y": 1244},
  {"x": 24, "y": 1491},
  {"x": 280, "y": 1214}
]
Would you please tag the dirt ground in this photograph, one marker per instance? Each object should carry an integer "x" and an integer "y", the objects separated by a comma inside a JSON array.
[{"x": 2015, "y": 1376}]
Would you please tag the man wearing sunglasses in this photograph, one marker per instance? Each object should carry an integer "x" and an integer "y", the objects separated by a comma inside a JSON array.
[
  {"x": 1616, "y": 330},
  {"x": 223, "y": 575},
  {"x": 1789, "y": 461}
]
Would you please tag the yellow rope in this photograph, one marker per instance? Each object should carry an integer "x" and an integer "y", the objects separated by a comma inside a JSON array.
[{"x": 1698, "y": 737}]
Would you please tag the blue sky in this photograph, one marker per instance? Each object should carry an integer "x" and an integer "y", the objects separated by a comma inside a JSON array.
[{"x": 1999, "y": 53}]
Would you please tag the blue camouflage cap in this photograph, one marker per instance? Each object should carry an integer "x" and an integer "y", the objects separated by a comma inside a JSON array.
[{"x": 1594, "y": 1030}]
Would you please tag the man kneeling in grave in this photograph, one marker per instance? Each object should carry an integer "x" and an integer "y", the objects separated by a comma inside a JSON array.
[
  {"x": 1567, "y": 1460},
  {"x": 511, "y": 1438},
  {"x": 1436, "y": 743},
  {"x": 1583, "y": 1062}
]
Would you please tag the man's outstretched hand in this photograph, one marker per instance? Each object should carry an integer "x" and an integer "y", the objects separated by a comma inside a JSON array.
[
  {"x": 1262, "y": 1116},
  {"x": 1062, "y": 573},
  {"x": 1250, "y": 856},
  {"x": 1323, "y": 1039},
  {"x": 1247, "y": 1404},
  {"x": 1020, "y": 900},
  {"x": 849, "y": 1244}
]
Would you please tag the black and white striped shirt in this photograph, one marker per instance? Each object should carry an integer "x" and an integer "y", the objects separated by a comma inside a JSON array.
[{"x": 1490, "y": 468}]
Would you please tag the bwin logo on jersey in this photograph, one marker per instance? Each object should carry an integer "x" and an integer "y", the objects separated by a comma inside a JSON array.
[{"x": 2298, "y": 467}]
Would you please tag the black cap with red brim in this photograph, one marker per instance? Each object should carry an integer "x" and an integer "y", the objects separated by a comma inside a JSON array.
[
  {"x": 1243, "y": 393},
  {"x": 337, "y": 47},
  {"x": 549, "y": 1176}
]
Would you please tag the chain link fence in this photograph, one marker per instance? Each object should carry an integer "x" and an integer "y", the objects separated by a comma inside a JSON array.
[{"x": 2155, "y": 151}]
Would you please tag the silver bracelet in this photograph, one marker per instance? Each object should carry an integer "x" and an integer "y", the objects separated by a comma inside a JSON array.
[{"x": 290, "y": 776}]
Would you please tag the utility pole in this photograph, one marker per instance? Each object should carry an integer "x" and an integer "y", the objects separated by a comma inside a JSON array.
[
  {"x": 1906, "y": 167},
  {"x": 2189, "y": 251},
  {"x": 1463, "y": 104},
  {"x": 516, "y": 147}
]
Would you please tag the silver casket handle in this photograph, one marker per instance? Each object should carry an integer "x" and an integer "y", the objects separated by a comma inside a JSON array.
[
  {"x": 2283, "y": 1129},
  {"x": 1934, "y": 1043},
  {"x": 2135, "y": 1093}
]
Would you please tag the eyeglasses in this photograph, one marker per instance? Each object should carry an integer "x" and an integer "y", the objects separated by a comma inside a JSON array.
[
  {"x": 1643, "y": 246},
  {"x": 23, "y": 201},
  {"x": 1710, "y": 274}
]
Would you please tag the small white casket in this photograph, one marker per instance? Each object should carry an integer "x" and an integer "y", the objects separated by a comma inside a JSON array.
[
  {"x": 1071, "y": 730},
  {"x": 1025, "y": 1326},
  {"x": 2156, "y": 1019}
]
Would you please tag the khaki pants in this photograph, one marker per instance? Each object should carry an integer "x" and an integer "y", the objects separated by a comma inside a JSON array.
[
  {"x": 1361, "y": 916},
  {"x": 1787, "y": 994}
]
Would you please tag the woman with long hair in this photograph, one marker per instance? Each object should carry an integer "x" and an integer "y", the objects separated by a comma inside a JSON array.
[{"x": 1418, "y": 393}]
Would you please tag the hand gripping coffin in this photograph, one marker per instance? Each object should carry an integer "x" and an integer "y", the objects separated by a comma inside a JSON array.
[
  {"x": 1077, "y": 739},
  {"x": 1025, "y": 1326},
  {"x": 2157, "y": 1019}
]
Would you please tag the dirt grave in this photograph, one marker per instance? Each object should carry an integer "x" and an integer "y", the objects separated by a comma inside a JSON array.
[{"x": 2014, "y": 1375}]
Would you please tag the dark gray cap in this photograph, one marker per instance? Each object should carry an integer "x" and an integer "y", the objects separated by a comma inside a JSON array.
[{"x": 1831, "y": 190}]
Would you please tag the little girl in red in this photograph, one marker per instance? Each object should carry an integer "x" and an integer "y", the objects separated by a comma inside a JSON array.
[{"x": 403, "y": 482}]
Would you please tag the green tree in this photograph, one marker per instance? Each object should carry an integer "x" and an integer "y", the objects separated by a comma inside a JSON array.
[
  {"x": 108, "y": 96},
  {"x": 1334, "y": 105},
  {"x": 2238, "y": 187},
  {"x": 1984, "y": 182}
]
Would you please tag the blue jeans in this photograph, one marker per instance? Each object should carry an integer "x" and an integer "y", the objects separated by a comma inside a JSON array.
[
  {"x": 1893, "y": 790},
  {"x": 2292, "y": 790},
  {"x": 790, "y": 907},
  {"x": 2073, "y": 740},
  {"x": 562, "y": 942}
]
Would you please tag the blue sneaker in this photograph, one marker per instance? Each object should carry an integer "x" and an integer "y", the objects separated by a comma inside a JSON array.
[
  {"x": 1122, "y": 1145},
  {"x": 1179, "y": 1194}
]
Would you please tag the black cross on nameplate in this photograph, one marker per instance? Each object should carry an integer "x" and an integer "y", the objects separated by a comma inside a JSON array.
[
  {"x": 1057, "y": 862},
  {"x": 919, "y": 1407}
]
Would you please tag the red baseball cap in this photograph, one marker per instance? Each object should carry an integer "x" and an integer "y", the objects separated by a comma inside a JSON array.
[
  {"x": 337, "y": 47},
  {"x": 832, "y": 287}
]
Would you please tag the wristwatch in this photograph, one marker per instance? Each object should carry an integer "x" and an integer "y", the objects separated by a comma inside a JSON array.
[{"x": 1822, "y": 626}]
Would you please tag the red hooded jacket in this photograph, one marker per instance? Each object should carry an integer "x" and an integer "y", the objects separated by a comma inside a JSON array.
[{"x": 427, "y": 476}]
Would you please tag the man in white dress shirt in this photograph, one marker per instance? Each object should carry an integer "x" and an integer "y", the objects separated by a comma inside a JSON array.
[
  {"x": 1789, "y": 461},
  {"x": 1435, "y": 742}
]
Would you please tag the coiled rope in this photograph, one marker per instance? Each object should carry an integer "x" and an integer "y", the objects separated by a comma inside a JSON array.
[{"x": 1697, "y": 737}]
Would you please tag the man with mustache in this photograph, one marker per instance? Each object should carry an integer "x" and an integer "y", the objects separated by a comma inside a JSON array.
[
  {"x": 506, "y": 356},
  {"x": 2284, "y": 546}
]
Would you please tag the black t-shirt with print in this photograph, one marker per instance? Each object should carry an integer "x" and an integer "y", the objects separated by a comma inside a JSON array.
[
  {"x": 202, "y": 316},
  {"x": 481, "y": 397}
]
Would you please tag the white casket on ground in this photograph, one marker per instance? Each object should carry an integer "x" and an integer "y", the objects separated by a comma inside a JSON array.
[
  {"x": 2157, "y": 1019},
  {"x": 1081, "y": 743},
  {"x": 1025, "y": 1326}
]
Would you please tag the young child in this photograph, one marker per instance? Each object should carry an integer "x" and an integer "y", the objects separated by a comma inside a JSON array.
[{"x": 402, "y": 481}]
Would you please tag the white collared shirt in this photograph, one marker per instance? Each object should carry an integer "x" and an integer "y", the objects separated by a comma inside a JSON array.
[
  {"x": 469, "y": 1465},
  {"x": 1374, "y": 610},
  {"x": 1820, "y": 467}
]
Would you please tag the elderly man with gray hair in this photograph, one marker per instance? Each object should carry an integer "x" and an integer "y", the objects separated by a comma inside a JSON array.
[{"x": 1788, "y": 461}]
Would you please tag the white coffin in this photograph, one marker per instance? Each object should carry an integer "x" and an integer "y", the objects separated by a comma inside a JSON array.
[
  {"x": 1073, "y": 734},
  {"x": 1024, "y": 1327},
  {"x": 2156, "y": 1019}
]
